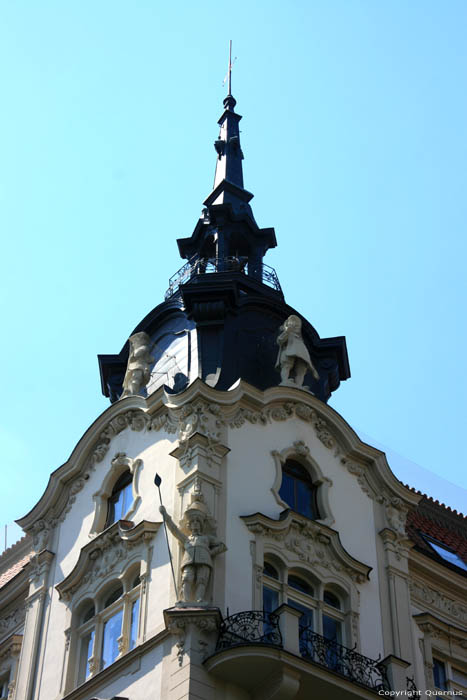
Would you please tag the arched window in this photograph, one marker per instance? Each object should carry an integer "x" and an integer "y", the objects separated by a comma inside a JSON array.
[
  {"x": 322, "y": 610},
  {"x": 120, "y": 499},
  {"x": 108, "y": 626},
  {"x": 298, "y": 490}
]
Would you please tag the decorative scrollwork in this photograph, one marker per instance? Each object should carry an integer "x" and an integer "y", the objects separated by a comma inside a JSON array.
[
  {"x": 412, "y": 690},
  {"x": 347, "y": 662},
  {"x": 250, "y": 627}
]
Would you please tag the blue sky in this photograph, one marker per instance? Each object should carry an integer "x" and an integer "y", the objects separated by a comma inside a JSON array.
[{"x": 355, "y": 148}]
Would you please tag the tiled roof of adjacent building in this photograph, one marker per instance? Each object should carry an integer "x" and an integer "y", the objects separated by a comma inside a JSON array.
[
  {"x": 14, "y": 559},
  {"x": 440, "y": 523}
]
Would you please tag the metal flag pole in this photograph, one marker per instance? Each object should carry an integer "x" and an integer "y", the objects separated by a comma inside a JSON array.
[{"x": 158, "y": 481}]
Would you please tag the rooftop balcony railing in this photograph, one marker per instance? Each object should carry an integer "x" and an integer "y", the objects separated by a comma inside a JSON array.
[
  {"x": 204, "y": 266},
  {"x": 259, "y": 627}
]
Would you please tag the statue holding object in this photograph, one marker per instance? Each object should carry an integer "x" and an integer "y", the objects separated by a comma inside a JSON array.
[
  {"x": 200, "y": 545},
  {"x": 138, "y": 369},
  {"x": 293, "y": 359}
]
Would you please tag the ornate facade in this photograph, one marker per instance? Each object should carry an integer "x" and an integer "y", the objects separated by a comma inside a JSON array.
[{"x": 220, "y": 532}]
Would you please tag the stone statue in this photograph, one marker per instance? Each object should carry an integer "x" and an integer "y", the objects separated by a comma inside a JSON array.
[
  {"x": 293, "y": 359},
  {"x": 139, "y": 365},
  {"x": 200, "y": 544}
]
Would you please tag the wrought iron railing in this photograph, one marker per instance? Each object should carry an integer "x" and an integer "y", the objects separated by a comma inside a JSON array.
[
  {"x": 250, "y": 627},
  {"x": 202, "y": 266},
  {"x": 347, "y": 662},
  {"x": 412, "y": 690}
]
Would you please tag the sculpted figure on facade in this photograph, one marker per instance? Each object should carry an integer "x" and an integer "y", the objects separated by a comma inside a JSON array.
[
  {"x": 197, "y": 535},
  {"x": 138, "y": 369},
  {"x": 293, "y": 359}
]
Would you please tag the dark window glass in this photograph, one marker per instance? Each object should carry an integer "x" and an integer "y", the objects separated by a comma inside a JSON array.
[
  {"x": 121, "y": 499},
  {"x": 134, "y": 623},
  {"x": 270, "y": 599},
  {"x": 137, "y": 581},
  {"x": 300, "y": 584},
  {"x": 88, "y": 614},
  {"x": 306, "y": 619},
  {"x": 297, "y": 489},
  {"x": 439, "y": 674},
  {"x": 269, "y": 570},
  {"x": 332, "y": 629},
  {"x": 115, "y": 595},
  {"x": 331, "y": 599}
]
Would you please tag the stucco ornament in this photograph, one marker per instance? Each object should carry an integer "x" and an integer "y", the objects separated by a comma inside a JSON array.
[
  {"x": 293, "y": 358},
  {"x": 197, "y": 535},
  {"x": 138, "y": 369}
]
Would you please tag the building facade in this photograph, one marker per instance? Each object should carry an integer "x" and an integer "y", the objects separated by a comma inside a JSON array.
[{"x": 220, "y": 532}]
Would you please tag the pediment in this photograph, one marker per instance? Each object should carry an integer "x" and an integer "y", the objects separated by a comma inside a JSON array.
[
  {"x": 108, "y": 555},
  {"x": 308, "y": 542}
]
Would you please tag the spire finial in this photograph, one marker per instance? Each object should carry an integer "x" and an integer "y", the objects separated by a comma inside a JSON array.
[
  {"x": 229, "y": 101},
  {"x": 230, "y": 68}
]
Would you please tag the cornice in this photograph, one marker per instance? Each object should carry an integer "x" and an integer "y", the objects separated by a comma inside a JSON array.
[
  {"x": 205, "y": 410},
  {"x": 436, "y": 575},
  {"x": 430, "y": 624},
  {"x": 325, "y": 537}
]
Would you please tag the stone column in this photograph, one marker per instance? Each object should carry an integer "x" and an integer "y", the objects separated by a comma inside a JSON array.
[
  {"x": 33, "y": 625},
  {"x": 194, "y": 632}
]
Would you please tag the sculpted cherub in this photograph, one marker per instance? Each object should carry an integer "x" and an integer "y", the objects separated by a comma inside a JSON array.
[
  {"x": 293, "y": 356},
  {"x": 200, "y": 545},
  {"x": 138, "y": 369}
]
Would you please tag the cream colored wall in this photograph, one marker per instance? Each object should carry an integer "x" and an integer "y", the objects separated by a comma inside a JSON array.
[{"x": 250, "y": 474}]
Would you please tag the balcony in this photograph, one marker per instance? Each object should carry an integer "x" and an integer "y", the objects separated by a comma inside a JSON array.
[
  {"x": 204, "y": 266},
  {"x": 256, "y": 650}
]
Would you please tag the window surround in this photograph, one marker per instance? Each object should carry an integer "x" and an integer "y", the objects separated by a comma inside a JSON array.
[
  {"x": 314, "y": 602},
  {"x": 300, "y": 452},
  {"x": 118, "y": 466},
  {"x": 130, "y": 596},
  {"x": 311, "y": 550},
  {"x": 446, "y": 643},
  {"x": 10, "y": 650},
  {"x": 115, "y": 557}
]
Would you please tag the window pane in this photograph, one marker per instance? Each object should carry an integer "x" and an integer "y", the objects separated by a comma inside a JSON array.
[
  {"x": 306, "y": 619},
  {"x": 332, "y": 629},
  {"x": 112, "y": 631},
  {"x": 300, "y": 584},
  {"x": 305, "y": 495},
  {"x": 286, "y": 491},
  {"x": 439, "y": 674},
  {"x": 115, "y": 595},
  {"x": 269, "y": 570},
  {"x": 449, "y": 555},
  {"x": 134, "y": 623},
  {"x": 270, "y": 599},
  {"x": 87, "y": 644},
  {"x": 331, "y": 599}
]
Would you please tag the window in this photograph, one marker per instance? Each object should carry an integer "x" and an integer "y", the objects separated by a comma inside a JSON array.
[
  {"x": 439, "y": 674},
  {"x": 446, "y": 553},
  {"x": 108, "y": 626},
  {"x": 120, "y": 499},
  {"x": 4, "y": 681},
  {"x": 298, "y": 490},
  {"x": 321, "y": 608}
]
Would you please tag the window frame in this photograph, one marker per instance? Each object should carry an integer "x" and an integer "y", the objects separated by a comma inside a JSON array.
[
  {"x": 315, "y": 603},
  {"x": 130, "y": 595}
]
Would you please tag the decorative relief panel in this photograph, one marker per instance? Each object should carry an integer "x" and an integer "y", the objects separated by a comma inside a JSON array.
[{"x": 437, "y": 601}]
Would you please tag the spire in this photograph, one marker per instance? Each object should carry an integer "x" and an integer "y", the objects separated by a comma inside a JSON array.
[{"x": 228, "y": 179}]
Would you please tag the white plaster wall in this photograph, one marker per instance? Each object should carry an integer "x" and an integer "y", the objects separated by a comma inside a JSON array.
[{"x": 250, "y": 474}]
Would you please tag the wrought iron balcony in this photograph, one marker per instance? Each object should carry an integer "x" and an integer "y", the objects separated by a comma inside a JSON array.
[
  {"x": 347, "y": 662},
  {"x": 203, "y": 266},
  {"x": 256, "y": 627},
  {"x": 249, "y": 627}
]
